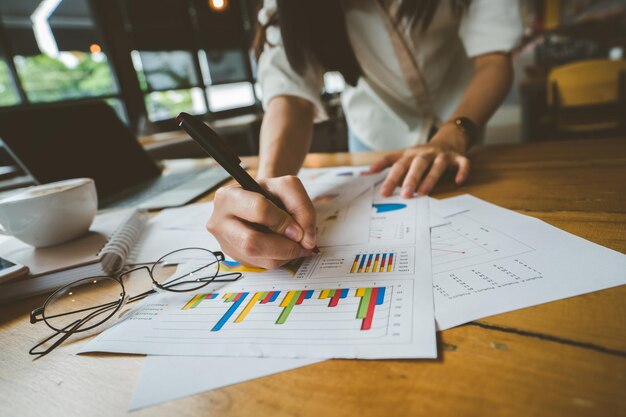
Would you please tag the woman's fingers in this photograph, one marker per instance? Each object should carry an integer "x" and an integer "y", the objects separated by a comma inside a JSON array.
[
  {"x": 410, "y": 170},
  {"x": 251, "y": 247},
  {"x": 244, "y": 243},
  {"x": 464, "y": 168},
  {"x": 238, "y": 213},
  {"x": 255, "y": 208},
  {"x": 395, "y": 176},
  {"x": 418, "y": 166},
  {"x": 437, "y": 169},
  {"x": 298, "y": 204}
]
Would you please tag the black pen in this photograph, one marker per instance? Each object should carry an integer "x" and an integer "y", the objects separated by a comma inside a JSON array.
[{"x": 211, "y": 142}]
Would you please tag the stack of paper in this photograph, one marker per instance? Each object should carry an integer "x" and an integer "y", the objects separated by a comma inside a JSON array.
[
  {"x": 364, "y": 296},
  {"x": 367, "y": 295}
]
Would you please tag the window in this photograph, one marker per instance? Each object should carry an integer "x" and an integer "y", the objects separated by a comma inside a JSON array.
[
  {"x": 8, "y": 94},
  {"x": 57, "y": 53},
  {"x": 189, "y": 56},
  {"x": 68, "y": 75},
  {"x": 230, "y": 96},
  {"x": 225, "y": 74},
  {"x": 153, "y": 57},
  {"x": 170, "y": 83}
]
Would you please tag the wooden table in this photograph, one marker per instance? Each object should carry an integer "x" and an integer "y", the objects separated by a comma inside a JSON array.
[{"x": 565, "y": 358}]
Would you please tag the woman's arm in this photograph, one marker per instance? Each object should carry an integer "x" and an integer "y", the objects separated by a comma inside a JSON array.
[
  {"x": 286, "y": 134},
  {"x": 493, "y": 76},
  {"x": 419, "y": 168}
]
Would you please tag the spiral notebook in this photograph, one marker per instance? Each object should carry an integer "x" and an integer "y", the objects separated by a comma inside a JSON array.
[{"x": 103, "y": 251}]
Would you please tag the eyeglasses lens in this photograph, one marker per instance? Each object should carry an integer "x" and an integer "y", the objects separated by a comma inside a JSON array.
[{"x": 89, "y": 301}]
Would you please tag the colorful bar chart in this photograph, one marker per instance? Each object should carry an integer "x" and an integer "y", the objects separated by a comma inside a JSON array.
[
  {"x": 334, "y": 295},
  {"x": 373, "y": 263},
  {"x": 234, "y": 266},
  {"x": 235, "y": 298},
  {"x": 255, "y": 299},
  {"x": 197, "y": 299},
  {"x": 369, "y": 299},
  {"x": 292, "y": 299}
]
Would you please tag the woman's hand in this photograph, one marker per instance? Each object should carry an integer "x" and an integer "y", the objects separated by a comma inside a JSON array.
[
  {"x": 238, "y": 213},
  {"x": 419, "y": 168}
]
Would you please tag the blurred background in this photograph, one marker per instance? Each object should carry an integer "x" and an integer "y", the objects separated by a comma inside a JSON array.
[{"x": 151, "y": 59}]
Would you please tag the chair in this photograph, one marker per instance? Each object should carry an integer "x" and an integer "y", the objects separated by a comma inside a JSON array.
[{"x": 588, "y": 98}]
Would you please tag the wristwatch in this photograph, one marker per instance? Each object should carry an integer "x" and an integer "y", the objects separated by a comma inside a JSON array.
[{"x": 468, "y": 127}]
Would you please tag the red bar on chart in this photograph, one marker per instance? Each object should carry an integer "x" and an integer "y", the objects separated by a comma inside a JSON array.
[
  {"x": 369, "y": 262},
  {"x": 354, "y": 264},
  {"x": 371, "y": 306},
  {"x": 336, "y": 296},
  {"x": 390, "y": 264},
  {"x": 382, "y": 264},
  {"x": 375, "y": 267}
]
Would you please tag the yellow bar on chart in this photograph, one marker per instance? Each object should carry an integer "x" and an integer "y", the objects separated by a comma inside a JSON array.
[
  {"x": 246, "y": 310},
  {"x": 287, "y": 299},
  {"x": 193, "y": 301},
  {"x": 368, "y": 263},
  {"x": 360, "y": 292},
  {"x": 354, "y": 264},
  {"x": 324, "y": 294}
]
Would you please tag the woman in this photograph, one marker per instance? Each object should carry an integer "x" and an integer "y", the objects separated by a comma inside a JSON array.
[{"x": 424, "y": 76}]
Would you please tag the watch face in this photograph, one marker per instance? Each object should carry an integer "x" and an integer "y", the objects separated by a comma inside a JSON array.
[{"x": 469, "y": 128}]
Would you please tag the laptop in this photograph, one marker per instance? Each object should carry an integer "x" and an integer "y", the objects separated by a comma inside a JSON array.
[{"x": 53, "y": 143}]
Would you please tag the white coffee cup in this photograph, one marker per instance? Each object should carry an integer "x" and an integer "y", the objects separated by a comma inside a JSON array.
[{"x": 50, "y": 214}]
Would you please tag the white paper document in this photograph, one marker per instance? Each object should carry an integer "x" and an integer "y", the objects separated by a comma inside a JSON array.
[
  {"x": 192, "y": 217},
  {"x": 372, "y": 301},
  {"x": 332, "y": 189},
  {"x": 154, "y": 243},
  {"x": 166, "y": 378},
  {"x": 486, "y": 260},
  {"x": 490, "y": 260},
  {"x": 348, "y": 225}
]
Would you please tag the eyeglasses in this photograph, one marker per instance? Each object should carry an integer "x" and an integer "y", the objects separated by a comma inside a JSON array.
[{"x": 73, "y": 309}]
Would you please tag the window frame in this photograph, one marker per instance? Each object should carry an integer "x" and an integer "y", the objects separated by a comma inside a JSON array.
[{"x": 109, "y": 21}]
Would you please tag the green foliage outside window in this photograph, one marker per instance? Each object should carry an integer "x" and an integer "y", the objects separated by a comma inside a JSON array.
[
  {"x": 8, "y": 95},
  {"x": 168, "y": 104},
  {"x": 47, "y": 79}
]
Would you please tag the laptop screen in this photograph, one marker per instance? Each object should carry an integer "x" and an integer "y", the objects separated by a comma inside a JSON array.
[{"x": 77, "y": 140}]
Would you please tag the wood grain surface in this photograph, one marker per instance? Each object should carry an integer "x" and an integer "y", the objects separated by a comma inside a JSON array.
[{"x": 565, "y": 358}]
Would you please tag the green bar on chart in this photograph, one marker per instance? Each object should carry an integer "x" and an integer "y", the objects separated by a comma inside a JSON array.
[{"x": 365, "y": 300}]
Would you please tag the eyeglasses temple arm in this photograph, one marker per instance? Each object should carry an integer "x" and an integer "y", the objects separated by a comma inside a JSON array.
[
  {"x": 33, "y": 315},
  {"x": 61, "y": 339},
  {"x": 75, "y": 325}
]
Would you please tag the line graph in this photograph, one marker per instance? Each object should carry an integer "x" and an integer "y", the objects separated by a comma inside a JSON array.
[{"x": 465, "y": 242}]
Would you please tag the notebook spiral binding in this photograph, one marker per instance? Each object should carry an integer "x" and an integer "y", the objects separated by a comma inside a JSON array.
[{"x": 117, "y": 249}]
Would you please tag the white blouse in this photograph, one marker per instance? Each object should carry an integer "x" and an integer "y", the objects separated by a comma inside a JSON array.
[{"x": 381, "y": 110}]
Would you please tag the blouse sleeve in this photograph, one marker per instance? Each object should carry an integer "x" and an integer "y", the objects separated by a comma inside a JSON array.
[
  {"x": 491, "y": 26},
  {"x": 275, "y": 75}
]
